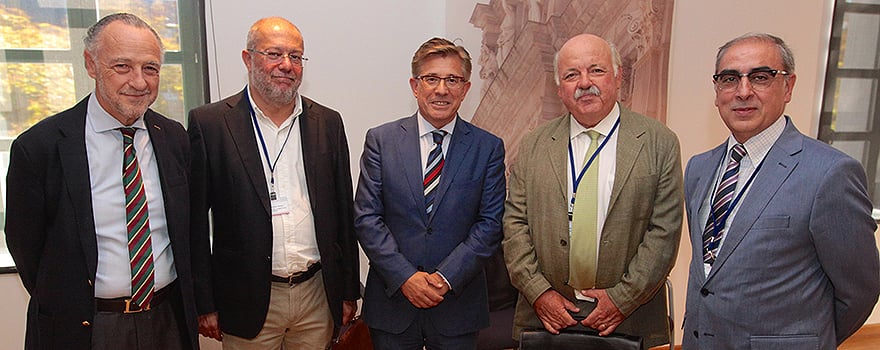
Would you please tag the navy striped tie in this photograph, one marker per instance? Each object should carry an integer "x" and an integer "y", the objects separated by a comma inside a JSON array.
[
  {"x": 432, "y": 169},
  {"x": 723, "y": 196}
]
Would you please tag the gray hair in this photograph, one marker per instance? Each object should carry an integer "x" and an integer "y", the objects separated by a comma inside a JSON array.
[
  {"x": 616, "y": 62},
  {"x": 784, "y": 50},
  {"x": 91, "y": 38}
]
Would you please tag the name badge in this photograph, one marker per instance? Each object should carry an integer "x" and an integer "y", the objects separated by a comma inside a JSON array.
[{"x": 280, "y": 206}]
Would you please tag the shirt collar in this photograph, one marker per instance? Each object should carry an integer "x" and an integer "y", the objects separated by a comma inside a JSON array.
[
  {"x": 297, "y": 108},
  {"x": 759, "y": 145},
  {"x": 426, "y": 128},
  {"x": 604, "y": 126},
  {"x": 101, "y": 121}
]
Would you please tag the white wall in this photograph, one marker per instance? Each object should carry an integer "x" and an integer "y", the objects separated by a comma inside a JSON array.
[{"x": 360, "y": 53}]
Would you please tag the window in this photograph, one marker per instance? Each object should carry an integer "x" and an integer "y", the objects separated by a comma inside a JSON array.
[
  {"x": 849, "y": 116},
  {"x": 42, "y": 70}
]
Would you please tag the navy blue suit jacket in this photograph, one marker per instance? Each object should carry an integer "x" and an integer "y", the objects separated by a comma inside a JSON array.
[{"x": 463, "y": 231}]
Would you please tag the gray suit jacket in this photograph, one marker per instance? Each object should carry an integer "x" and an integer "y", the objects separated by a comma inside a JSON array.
[
  {"x": 799, "y": 267},
  {"x": 641, "y": 233}
]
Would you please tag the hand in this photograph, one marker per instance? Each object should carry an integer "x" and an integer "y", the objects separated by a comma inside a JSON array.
[
  {"x": 349, "y": 309},
  {"x": 209, "y": 326},
  {"x": 418, "y": 289},
  {"x": 606, "y": 316},
  {"x": 439, "y": 283},
  {"x": 552, "y": 308}
]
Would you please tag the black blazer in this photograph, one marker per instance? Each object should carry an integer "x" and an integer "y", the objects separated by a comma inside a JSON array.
[
  {"x": 50, "y": 229},
  {"x": 232, "y": 277}
]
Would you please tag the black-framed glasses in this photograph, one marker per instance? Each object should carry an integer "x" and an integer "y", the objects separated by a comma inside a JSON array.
[
  {"x": 276, "y": 57},
  {"x": 452, "y": 81},
  {"x": 759, "y": 78}
]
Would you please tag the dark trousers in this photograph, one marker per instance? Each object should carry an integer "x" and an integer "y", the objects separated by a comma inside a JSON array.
[
  {"x": 422, "y": 334},
  {"x": 160, "y": 328}
]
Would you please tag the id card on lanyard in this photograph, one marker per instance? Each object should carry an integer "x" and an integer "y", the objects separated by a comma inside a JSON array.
[
  {"x": 576, "y": 178},
  {"x": 280, "y": 205}
]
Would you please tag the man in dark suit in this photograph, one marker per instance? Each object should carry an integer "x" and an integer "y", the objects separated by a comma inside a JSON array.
[
  {"x": 273, "y": 168},
  {"x": 784, "y": 255},
  {"x": 75, "y": 178},
  {"x": 428, "y": 212}
]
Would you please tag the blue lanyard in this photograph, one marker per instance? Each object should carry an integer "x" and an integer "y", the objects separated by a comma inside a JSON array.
[
  {"x": 576, "y": 179},
  {"x": 717, "y": 228},
  {"x": 272, "y": 164}
]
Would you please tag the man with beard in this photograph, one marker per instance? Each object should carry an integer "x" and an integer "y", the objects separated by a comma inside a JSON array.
[
  {"x": 606, "y": 255},
  {"x": 277, "y": 263},
  {"x": 97, "y": 211}
]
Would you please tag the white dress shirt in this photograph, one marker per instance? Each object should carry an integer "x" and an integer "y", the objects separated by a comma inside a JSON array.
[
  {"x": 105, "y": 155},
  {"x": 294, "y": 244},
  {"x": 757, "y": 148}
]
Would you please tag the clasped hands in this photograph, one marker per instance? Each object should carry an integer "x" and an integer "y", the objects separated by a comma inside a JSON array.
[
  {"x": 553, "y": 310},
  {"x": 425, "y": 290}
]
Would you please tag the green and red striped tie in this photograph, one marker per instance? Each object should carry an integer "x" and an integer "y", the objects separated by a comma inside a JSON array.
[{"x": 137, "y": 221}]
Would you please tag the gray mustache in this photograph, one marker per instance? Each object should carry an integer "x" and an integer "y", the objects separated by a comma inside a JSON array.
[{"x": 592, "y": 90}]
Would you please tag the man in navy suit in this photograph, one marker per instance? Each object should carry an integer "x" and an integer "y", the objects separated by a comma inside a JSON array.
[
  {"x": 428, "y": 212},
  {"x": 786, "y": 257},
  {"x": 67, "y": 225}
]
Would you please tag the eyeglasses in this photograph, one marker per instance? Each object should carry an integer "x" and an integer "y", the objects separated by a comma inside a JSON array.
[
  {"x": 759, "y": 79},
  {"x": 452, "y": 82},
  {"x": 276, "y": 57}
]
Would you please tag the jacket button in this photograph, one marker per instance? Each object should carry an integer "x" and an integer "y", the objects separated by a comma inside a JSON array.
[
  {"x": 563, "y": 242},
  {"x": 86, "y": 324},
  {"x": 704, "y": 291},
  {"x": 696, "y": 334},
  {"x": 430, "y": 230},
  {"x": 420, "y": 268}
]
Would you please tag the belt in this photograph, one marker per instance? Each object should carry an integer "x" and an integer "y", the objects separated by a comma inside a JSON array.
[
  {"x": 125, "y": 306},
  {"x": 299, "y": 277}
]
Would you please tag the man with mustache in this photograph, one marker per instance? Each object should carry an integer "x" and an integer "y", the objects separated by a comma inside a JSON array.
[
  {"x": 593, "y": 216},
  {"x": 277, "y": 260},
  {"x": 428, "y": 206},
  {"x": 784, "y": 254},
  {"x": 97, "y": 209}
]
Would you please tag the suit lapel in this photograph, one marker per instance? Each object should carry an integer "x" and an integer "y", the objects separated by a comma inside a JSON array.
[
  {"x": 75, "y": 165},
  {"x": 629, "y": 145},
  {"x": 777, "y": 166},
  {"x": 241, "y": 128},
  {"x": 557, "y": 153},
  {"x": 309, "y": 128},
  {"x": 408, "y": 152},
  {"x": 460, "y": 144}
]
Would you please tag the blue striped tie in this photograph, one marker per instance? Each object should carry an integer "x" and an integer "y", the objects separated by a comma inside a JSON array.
[
  {"x": 432, "y": 169},
  {"x": 723, "y": 196}
]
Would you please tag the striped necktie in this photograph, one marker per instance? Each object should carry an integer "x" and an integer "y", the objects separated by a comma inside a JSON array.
[
  {"x": 137, "y": 222},
  {"x": 723, "y": 196},
  {"x": 432, "y": 170}
]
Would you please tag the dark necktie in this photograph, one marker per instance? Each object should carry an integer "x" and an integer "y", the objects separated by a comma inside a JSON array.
[
  {"x": 137, "y": 222},
  {"x": 718, "y": 214},
  {"x": 432, "y": 169}
]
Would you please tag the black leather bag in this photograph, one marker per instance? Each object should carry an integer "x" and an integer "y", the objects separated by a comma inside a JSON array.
[{"x": 580, "y": 339}]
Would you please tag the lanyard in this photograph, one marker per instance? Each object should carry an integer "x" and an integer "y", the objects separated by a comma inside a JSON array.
[
  {"x": 272, "y": 164},
  {"x": 717, "y": 228},
  {"x": 576, "y": 179}
]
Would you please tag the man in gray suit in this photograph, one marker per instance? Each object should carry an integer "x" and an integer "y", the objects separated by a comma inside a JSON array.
[
  {"x": 784, "y": 255},
  {"x": 636, "y": 213}
]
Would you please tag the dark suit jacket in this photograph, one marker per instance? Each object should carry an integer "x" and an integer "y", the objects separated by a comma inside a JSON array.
[
  {"x": 228, "y": 179},
  {"x": 799, "y": 266},
  {"x": 50, "y": 228},
  {"x": 463, "y": 231}
]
